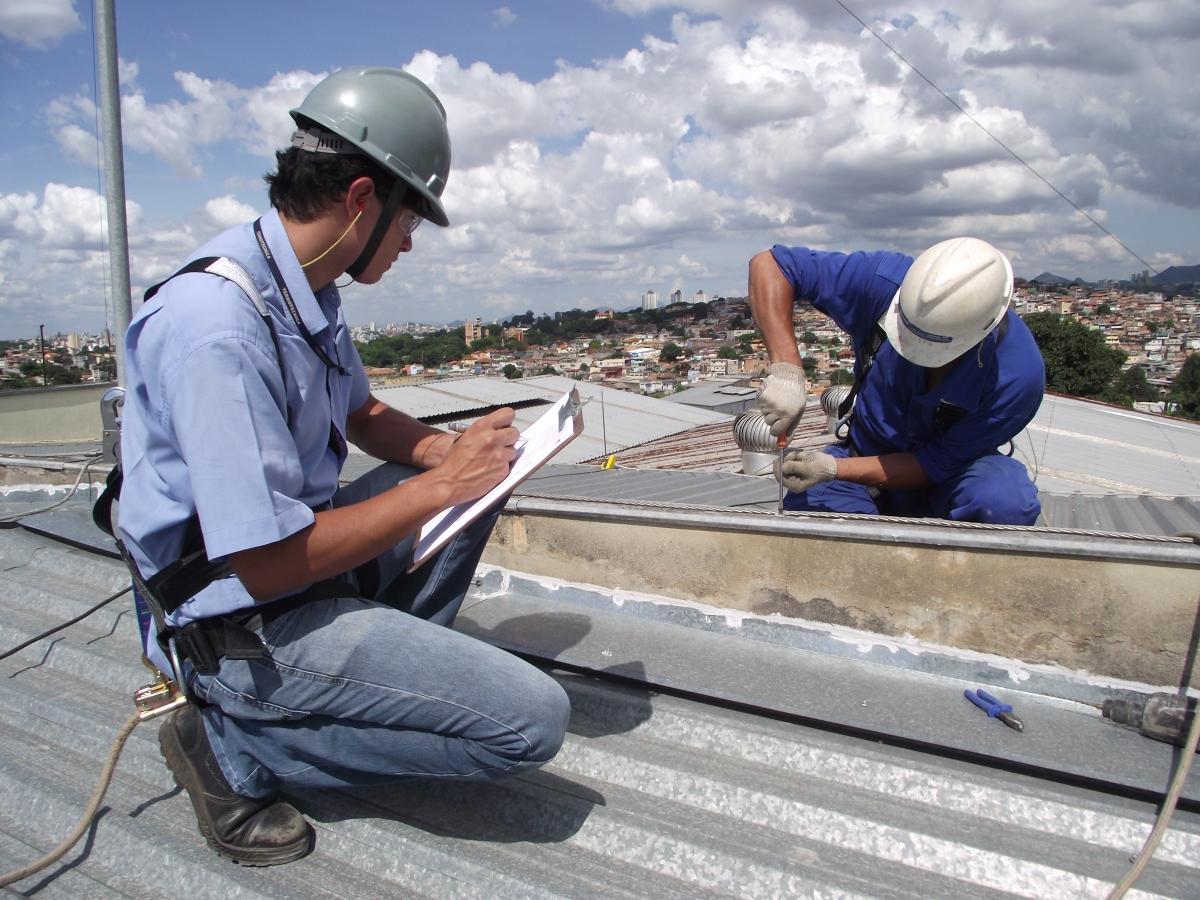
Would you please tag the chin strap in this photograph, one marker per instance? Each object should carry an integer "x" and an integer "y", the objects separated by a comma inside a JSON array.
[{"x": 381, "y": 226}]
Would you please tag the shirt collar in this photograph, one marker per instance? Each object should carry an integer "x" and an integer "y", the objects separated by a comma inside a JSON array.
[
  {"x": 289, "y": 267},
  {"x": 963, "y": 385}
]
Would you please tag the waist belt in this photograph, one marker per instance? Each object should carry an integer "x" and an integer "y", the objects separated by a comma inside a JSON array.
[{"x": 237, "y": 635}]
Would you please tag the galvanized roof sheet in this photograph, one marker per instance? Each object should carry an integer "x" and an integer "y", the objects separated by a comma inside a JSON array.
[
  {"x": 652, "y": 795},
  {"x": 1075, "y": 445},
  {"x": 455, "y": 395},
  {"x": 613, "y": 419}
]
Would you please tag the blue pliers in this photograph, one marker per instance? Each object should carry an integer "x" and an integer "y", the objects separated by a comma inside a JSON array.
[{"x": 995, "y": 709}]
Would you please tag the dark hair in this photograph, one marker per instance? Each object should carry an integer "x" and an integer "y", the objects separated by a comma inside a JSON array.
[{"x": 306, "y": 184}]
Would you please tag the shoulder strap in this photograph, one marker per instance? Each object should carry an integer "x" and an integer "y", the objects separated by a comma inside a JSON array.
[
  {"x": 231, "y": 270},
  {"x": 878, "y": 338}
]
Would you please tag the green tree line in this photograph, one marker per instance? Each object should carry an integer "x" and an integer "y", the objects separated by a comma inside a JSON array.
[{"x": 1080, "y": 363}]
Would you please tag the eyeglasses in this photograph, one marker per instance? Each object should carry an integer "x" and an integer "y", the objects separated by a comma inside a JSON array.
[{"x": 408, "y": 221}]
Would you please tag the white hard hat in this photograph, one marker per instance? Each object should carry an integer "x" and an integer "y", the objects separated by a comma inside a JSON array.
[{"x": 953, "y": 296}]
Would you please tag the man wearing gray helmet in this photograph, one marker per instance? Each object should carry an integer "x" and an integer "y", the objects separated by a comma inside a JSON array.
[
  {"x": 279, "y": 600},
  {"x": 945, "y": 373}
]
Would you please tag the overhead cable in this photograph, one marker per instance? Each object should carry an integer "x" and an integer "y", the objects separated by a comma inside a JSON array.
[{"x": 985, "y": 130}]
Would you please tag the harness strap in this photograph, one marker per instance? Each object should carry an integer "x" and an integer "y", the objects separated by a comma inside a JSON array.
[{"x": 878, "y": 339}]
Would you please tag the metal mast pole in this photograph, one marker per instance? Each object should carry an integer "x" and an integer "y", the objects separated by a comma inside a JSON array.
[{"x": 114, "y": 174}]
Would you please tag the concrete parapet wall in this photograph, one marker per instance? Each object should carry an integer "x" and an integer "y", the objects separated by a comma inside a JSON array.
[
  {"x": 67, "y": 413},
  {"x": 1116, "y": 618}
]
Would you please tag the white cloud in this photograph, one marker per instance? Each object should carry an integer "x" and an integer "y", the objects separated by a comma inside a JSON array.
[
  {"x": 38, "y": 23},
  {"x": 672, "y": 164},
  {"x": 78, "y": 145},
  {"x": 255, "y": 119},
  {"x": 53, "y": 252},
  {"x": 225, "y": 212},
  {"x": 503, "y": 16}
]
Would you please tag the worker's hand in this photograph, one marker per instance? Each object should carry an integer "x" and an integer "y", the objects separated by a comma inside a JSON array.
[
  {"x": 782, "y": 398},
  {"x": 803, "y": 469},
  {"x": 480, "y": 458}
]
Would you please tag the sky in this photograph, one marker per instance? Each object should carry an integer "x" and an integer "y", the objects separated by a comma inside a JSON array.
[{"x": 602, "y": 148}]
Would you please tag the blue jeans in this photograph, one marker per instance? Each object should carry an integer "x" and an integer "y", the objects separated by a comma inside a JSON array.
[
  {"x": 994, "y": 489},
  {"x": 358, "y": 692}
]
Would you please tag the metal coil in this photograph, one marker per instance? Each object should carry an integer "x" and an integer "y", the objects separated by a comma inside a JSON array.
[
  {"x": 752, "y": 433},
  {"x": 833, "y": 397}
]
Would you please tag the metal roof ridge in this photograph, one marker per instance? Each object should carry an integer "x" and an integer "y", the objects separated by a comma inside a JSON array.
[{"x": 1023, "y": 539}]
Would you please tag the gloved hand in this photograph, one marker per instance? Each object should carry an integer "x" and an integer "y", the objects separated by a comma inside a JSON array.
[
  {"x": 782, "y": 397},
  {"x": 803, "y": 469}
]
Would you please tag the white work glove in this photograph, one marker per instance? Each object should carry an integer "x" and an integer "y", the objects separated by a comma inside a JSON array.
[
  {"x": 782, "y": 397},
  {"x": 804, "y": 469}
]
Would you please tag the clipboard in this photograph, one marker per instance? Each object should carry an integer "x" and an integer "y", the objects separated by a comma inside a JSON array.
[{"x": 557, "y": 427}]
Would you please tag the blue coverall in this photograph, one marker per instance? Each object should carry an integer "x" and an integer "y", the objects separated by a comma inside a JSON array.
[{"x": 954, "y": 430}]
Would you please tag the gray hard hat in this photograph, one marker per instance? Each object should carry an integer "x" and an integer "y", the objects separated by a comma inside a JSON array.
[{"x": 392, "y": 117}]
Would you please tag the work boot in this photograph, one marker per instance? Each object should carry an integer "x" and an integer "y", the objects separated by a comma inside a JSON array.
[{"x": 249, "y": 832}]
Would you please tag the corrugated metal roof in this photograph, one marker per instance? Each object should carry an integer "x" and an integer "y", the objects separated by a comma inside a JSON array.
[
  {"x": 720, "y": 395},
  {"x": 713, "y": 448},
  {"x": 456, "y": 395},
  {"x": 1073, "y": 445},
  {"x": 652, "y": 795},
  {"x": 623, "y": 419}
]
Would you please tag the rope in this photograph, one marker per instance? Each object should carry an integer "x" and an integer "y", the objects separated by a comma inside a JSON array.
[
  {"x": 1168, "y": 808},
  {"x": 89, "y": 814}
]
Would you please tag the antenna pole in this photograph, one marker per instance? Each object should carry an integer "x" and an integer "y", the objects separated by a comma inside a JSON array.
[{"x": 114, "y": 174}]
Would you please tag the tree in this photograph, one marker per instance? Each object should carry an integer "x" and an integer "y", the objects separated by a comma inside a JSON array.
[
  {"x": 1104, "y": 310},
  {"x": 1077, "y": 360},
  {"x": 1185, "y": 389},
  {"x": 810, "y": 364},
  {"x": 548, "y": 370},
  {"x": 810, "y": 338},
  {"x": 510, "y": 371},
  {"x": 1134, "y": 385},
  {"x": 55, "y": 374},
  {"x": 670, "y": 352},
  {"x": 841, "y": 376},
  {"x": 726, "y": 353}
]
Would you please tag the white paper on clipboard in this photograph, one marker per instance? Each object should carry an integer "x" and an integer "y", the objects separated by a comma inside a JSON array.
[{"x": 560, "y": 425}]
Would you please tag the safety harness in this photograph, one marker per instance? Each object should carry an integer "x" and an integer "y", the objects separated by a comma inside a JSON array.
[
  {"x": 946, "y": 414},
  {"x": 205, "y": 642}
]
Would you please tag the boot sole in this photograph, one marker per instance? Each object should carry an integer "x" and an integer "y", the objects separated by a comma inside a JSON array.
[{"x": 172, "y": 752}]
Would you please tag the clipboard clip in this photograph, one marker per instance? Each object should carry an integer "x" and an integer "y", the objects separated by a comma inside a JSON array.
[{"x": 571, "y": 408}]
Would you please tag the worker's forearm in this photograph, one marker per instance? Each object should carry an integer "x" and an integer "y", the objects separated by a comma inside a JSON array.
[
  {"x": 771, "y": 302},
  {"x": 895, "y": 471},
  {"x": 341, "y": 539},
  {"x": 390, "y": 435}
]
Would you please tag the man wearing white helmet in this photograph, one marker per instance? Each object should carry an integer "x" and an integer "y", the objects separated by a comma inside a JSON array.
[
  {"x": 945, "y": 374},
  {"x": 279, "y": 600}
]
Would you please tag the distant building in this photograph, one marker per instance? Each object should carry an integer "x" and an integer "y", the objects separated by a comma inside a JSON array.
[
  {"x": 700, "y": 297},
  {"x": 650, "y": 300},
  {"x": 73, "y": 341},
  {"x": 473, "y": 331},
  {"x": 677, "y": 296}
]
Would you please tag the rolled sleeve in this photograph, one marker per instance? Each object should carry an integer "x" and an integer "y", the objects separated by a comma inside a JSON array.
[
  {"x": 853, "y": 289},
  {"x": 224, "y": 403}
]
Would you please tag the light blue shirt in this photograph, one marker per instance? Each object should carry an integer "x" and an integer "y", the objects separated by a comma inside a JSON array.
[{"x": 205, "y": 425}]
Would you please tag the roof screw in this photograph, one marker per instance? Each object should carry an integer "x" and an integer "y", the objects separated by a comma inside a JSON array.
[{"x": 864, "y": 703}]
